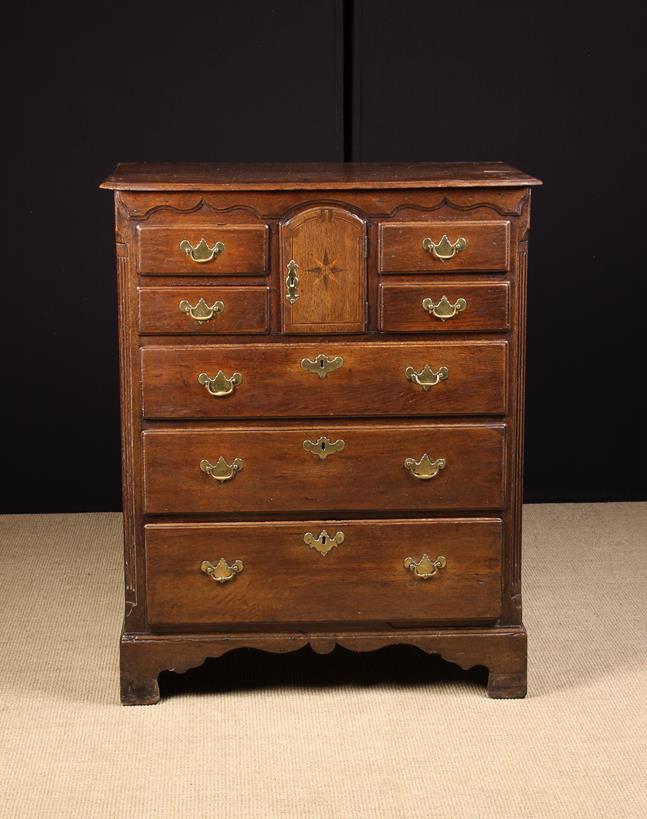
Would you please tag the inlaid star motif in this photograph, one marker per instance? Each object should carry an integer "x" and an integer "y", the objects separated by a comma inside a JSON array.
[{"x": 326, "y": 268}]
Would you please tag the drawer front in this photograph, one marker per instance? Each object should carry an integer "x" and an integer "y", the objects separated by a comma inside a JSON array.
[
  {"x": 280, "y": 578},
  {"x": 444, "y": 308},
  {"x": 420, "y": 247},
  {"x": 182, "y": 251},
  {"x": 360, "y": 379},
  {"x": 324, "y": 468},
  {"x": 203, "y": 310}
]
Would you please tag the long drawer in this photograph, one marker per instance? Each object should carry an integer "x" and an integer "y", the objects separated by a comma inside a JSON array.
[
  {"x": 324, "y": 379},
  {"x": 324, "y": 468},
  {"x": 317, "y": 571}
]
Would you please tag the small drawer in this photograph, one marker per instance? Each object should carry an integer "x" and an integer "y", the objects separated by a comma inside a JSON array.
[
  {"x": 324, "y": 571},
  {"x": 444, "y": 308},
  {"x": 324, "y": 468},
  {"x": 203, "y": 310},
  {"x": 407, "y": 378},
  {"x": 438, "y": 247},
  {"x": 202, "y": 250}
]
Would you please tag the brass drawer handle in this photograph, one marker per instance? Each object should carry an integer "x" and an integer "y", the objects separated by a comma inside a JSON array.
[
  {"x": 221, "y": 471},
  {"x": 444, "y": 309},
  {"x": 323, "y": 447},
  {"x": 292, "y": 282},
  {"x": 220, "y": 572},
  {"x": 425, "y": 468},
  {"x": 201, "y": 310},
  {"x": 220, "y": 385},
  {"x": 427, "y": 377},
  {"x": 323, "y": 543},
  {"x": 444, "y": 249},
  {"x": 321, "y": 364},
  {"x": 425, "y": 568},
  {"x": 201, "y": 252}
]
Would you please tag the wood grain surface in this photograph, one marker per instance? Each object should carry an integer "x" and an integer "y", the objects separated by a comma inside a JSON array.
[
  {"x": 214, "y": 176},
  {"x": 348, "y": 225},
  {"x": 361, "y": 580},
  {"x": 160, "y": 252},
  {"x": 402, "y": 251},
  {"x": 401, "y": 310},
  {"x": 279, "y": 475},
  {"x": 371, "y": 380},
  {"x": 246, "y": 310},
  {"x": 327, "y": 245}
]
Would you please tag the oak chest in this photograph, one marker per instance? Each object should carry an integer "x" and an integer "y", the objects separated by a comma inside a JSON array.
[{"x": 322, "y": 375}]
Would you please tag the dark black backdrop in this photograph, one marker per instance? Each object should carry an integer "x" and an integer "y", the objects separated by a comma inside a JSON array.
[{"x": 551, "y": 88}]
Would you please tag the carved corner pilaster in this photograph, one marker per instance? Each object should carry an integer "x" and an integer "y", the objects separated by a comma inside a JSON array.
[
  {"x": 122, "y": 215},
  {"x": 513, "y": 564},
  {"x": 128, "y": 433},
  {"x": 524, "y": 216}
]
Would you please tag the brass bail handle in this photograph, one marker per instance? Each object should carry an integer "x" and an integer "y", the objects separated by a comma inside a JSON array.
[
  {"x": 201, "y": 311},
  {"x": 444, "y": 249},
  {"x": 425, "y": 468},
  {"x": 427, "y": 377},
  {"x": 425, "y": 568},
  {"x": 444, "y": 309},
  {"x": 221, "y": 572},
  {"x": 219, "y": 385},
  {"x": 221, "y": 471},
  {"x": 202, "y": 253}
]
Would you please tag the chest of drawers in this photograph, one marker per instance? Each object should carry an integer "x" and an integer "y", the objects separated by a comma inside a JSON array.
[{"x": 322, "y": 374}]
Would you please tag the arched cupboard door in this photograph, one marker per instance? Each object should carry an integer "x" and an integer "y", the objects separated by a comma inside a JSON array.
[{"x": 323, "y": 272}]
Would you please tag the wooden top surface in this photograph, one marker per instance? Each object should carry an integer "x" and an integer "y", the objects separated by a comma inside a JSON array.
[{"x": 212, "y": 176}]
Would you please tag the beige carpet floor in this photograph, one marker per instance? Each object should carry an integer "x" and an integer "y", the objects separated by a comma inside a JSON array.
[{"x": 389, "y": 734}]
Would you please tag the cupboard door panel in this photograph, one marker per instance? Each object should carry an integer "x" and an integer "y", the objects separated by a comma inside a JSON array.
[{"x": 323, "y": 272}]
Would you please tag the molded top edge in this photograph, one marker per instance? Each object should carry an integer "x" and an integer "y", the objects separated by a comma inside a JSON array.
[{"x": 267, "y": 176}]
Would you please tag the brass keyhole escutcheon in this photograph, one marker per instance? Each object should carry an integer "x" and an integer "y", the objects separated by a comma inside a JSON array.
[
  {"x": 323, "y": 447},
  {"x": 292, "y": 282},
  {"x": 323, "y": 543},
  {"x": 321, "y": 365}
]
